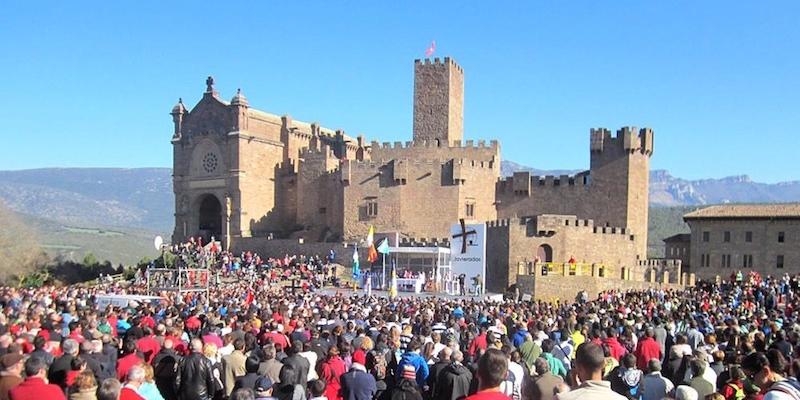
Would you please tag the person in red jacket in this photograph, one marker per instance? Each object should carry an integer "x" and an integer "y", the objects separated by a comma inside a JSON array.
[
  {"x": 478, "y": 343},
  {"x": 617, "y": 349},
  {"x": 35, "y": 387},
  {"x": 647, "y": 349},
  {"x": 130, "y": 359}
]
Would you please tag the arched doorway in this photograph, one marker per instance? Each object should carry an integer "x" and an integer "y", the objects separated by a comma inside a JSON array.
[
  {"x": 210, "y": 221},
  {"x": 544, "y": 253}
]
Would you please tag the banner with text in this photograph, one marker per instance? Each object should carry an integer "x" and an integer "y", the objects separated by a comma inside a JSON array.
[{"x": 468, "y": 253}]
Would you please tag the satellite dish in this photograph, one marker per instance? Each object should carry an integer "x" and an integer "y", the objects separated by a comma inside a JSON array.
[{"x": 157, "y": 242}]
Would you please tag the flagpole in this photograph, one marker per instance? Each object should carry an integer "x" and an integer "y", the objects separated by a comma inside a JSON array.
[{"x": 383, "y": 280}]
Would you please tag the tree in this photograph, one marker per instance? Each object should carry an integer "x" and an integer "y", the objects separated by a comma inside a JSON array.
[
  {"x": 89, "y": 260},
  {"x": 20, "y": 252}
]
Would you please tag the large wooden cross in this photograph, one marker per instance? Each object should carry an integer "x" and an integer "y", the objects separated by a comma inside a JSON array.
[{"x": 463, "y": 235}]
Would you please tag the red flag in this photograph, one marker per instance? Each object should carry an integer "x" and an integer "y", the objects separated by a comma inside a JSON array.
[
  {"x": 372, "y": 254},
  {"x": 431, "y": 49}
]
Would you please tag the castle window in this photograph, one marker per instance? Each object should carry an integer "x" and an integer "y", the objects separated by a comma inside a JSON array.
[
  {"x": 725, "y": 261},
  {"x": 747, "y": 261},
  {"x": 372, "y": 209},
  {"x": 727, "y": 236},
  {"x": 323, "y": 210},
  {"x": 706, "y": 236},
  {"x": 705, "y": 260},
  {"x": 779, "y": 262},
  {"x": 470, "y": 211},
  {"x": 780, "y": 237},
  {"x": 748, "y": 236}
]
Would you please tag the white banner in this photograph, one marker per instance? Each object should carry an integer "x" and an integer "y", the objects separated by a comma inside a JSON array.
[{"x": 468, "y": 253}]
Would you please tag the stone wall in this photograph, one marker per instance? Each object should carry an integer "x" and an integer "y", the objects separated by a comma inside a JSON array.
[
  {"x": 764, "y": 246},
  {"x": 566, "y": 288},
  {"x": 420, "y": 198},
  {"x": 568, "y": 237}
]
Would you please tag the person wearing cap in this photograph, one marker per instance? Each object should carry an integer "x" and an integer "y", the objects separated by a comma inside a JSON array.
[
  {"x": 406, "y": 388},
  {"x": 35, "y": 385},
  {"x": 358, "y": 384},
  {"x": 263, "y": 389},
  {"x": 588, "y": 372},
  {"x": 654, "y": 386},
  {"x": 11, "y": 375}
]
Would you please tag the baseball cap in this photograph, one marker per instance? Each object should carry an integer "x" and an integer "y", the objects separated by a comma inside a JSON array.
[{"x": 263, "y": 384}]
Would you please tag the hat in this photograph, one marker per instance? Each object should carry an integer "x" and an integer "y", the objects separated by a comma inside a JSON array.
[
  {"x": 360, "y": 357},
  {"x": 11, "y": 359},
  {"x": 262, "y": 384},
  {"x": 409, "y": 372}
]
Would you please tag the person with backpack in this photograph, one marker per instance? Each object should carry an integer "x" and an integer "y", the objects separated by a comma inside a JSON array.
[
  {"x": 767, "y": 375},
  {"x": 733, "y": 389},
  {"x": 377, "y": 365},
  {"x": 626, "y": 378}
]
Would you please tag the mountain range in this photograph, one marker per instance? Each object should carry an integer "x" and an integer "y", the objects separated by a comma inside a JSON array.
[{"x": 116, "y": 212}]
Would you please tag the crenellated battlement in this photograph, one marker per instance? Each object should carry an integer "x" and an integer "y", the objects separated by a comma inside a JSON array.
[
  {"x": 430, "y": 144},
  {"x": 503, "y": 222},
  {"x": 555, "y": 223},
  {"x": 629, "y": 139},
  {"x": 437, "y": 62},
  {"x": 524, "y": 183}
]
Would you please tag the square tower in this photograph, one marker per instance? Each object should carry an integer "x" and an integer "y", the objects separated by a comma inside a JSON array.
[{"x": 438, "y": 101}]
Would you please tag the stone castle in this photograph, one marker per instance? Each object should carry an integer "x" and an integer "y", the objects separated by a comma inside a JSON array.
[{"x": 246, "y": 176}]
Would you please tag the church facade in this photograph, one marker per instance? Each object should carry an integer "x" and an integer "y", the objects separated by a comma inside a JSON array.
[{"x": 243, "y": 173}]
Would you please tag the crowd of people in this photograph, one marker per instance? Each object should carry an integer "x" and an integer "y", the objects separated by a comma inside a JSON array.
[{"x": 254, "y": 339}]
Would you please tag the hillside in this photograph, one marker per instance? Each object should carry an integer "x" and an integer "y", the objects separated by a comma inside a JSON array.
[{"x": 108, "y": 197}]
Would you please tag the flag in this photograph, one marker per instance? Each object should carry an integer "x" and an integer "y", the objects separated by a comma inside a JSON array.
[
  {"x": 372, "y": 254},
  {"x": 431, "y": 49},
  {"x": 356, "y": 269},
  {"x": 383, "y": 248},
  {"x": 393, "y": 284},
  {"x": 371, "y": 235}
]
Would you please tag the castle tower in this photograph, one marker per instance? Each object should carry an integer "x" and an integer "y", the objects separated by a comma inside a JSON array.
[
  {"x": 438, "y": 101},
  {"x": 620, "y": 173}
]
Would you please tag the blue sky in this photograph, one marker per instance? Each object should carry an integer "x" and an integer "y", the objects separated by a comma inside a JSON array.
[{"x": 93, "y": 84}]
